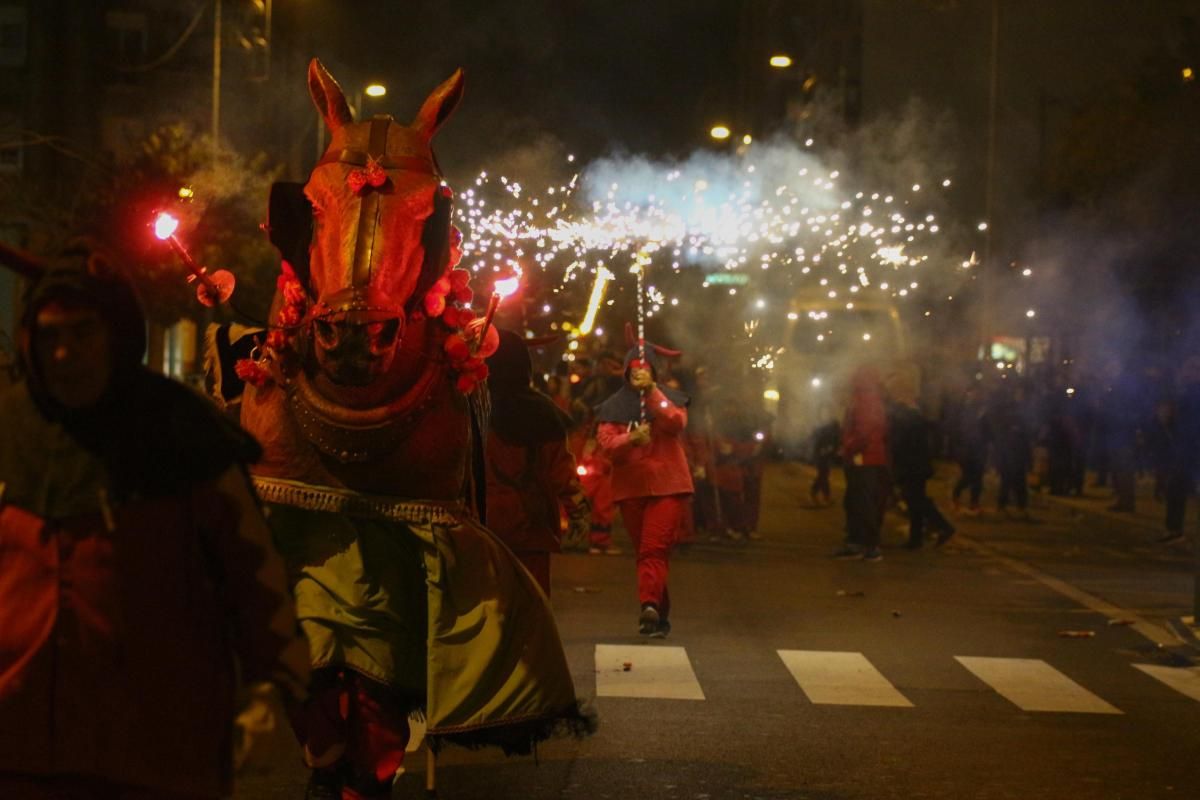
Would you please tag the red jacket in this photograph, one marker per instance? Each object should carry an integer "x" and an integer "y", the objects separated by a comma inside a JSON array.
[
  {"x": 864, "y": 433},
  {"x": 116, "y": 647},
  {"x": 525, "y": 486},
  {"x": 657, "y": 468}
]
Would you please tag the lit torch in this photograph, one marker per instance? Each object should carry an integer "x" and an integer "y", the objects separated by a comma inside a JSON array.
[
  {"x": 214, "y": 288},
  {"x": 500, "y": 290}
]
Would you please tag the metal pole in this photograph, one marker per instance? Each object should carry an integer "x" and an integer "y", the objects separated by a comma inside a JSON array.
[
  {"x": 1196, "y": 578},
  {"x": 216, "y": 79},
  {"x": 988, "y": 271}
]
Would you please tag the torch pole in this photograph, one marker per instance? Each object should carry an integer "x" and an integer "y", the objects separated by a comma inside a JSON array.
[
  {"x": 642, "y": 261},
  {"x": 197, "y": 271},
  {"x": 493, "y": 304}
]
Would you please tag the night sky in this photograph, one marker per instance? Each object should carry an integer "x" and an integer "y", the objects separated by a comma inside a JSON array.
[{"x": 595, "y": 76}]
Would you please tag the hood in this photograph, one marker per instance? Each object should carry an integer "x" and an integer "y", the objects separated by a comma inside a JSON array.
[{"x": 108, "y": 295}]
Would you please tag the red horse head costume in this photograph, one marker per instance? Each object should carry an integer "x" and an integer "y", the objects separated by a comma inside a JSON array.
[
  {"x": 363, "y": 395},
  {"x": 369, "y": 357}
]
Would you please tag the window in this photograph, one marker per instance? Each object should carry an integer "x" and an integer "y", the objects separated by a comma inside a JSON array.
[
  {"x": 13, "y": 27},
  {"x": 12, "y": 151},
  {"x": 126, "y": 36}
]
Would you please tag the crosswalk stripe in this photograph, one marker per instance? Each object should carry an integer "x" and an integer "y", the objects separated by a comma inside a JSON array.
[
  {"x": 844, "y": 679},
  {"x": 1185, "y": 680},
  {"x": 654, "y": 672},
  {"x": 1033, "y": 685}
]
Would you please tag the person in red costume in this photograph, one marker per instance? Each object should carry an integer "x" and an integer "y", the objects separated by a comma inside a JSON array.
[
  {"x": 596, "y": 477},
  {"x": 865, "y": 456},
  {"x": 641, "y": 429},
  {"x": 530, "y": 472}
]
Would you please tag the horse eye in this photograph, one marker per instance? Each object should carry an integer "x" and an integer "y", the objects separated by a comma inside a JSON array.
[
  {"x": 384, "y": 332},
  {"x": 326, "y": 332}
]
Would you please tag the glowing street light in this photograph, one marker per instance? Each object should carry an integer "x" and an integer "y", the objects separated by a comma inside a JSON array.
[
  {"x": 375, "y": 90},
  {"x": 719, "y": 132},
  {"x": 781, "y": 61}
]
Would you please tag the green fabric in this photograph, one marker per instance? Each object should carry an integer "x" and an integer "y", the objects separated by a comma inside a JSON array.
[{"x": 441, "y": 610}]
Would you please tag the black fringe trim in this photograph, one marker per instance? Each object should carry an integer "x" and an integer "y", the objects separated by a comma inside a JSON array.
[{"x": 522, "y": 738}]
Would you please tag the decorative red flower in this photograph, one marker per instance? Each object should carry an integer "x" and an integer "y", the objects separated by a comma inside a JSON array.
[
  {"x": 456, "y": 348},
  {"x": 290, "y": 315},
  {"x": 459, "y": 278},
  {"x": 465, "y": 383},
  {"x": 251, "y": 372},
  {"x": 435, "y": 304},
  {"x": 464, "y": 295},
  {"x": 277, "y": 340},
  {"x": 376, "y": 174}
]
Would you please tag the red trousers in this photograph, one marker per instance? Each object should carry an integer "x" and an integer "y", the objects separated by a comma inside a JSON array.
[
  {"x": 350, "y": 711},
  {"x": 655, "y": 524}
]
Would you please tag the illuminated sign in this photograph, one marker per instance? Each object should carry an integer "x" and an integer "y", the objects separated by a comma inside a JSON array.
[{"x": 727, "y": 279}]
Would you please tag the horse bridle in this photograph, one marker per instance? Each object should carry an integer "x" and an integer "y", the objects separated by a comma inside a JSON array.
[{"x": 368, "y": 213}]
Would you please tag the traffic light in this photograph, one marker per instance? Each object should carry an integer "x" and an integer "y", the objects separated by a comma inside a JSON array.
[{"x": 254, "y": 36}]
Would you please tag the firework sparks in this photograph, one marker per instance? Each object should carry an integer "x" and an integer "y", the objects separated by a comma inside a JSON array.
[{"x": 796, "y": 227}]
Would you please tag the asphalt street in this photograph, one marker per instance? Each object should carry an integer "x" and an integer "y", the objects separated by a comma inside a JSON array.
[{"x": 1024, "y": 659}]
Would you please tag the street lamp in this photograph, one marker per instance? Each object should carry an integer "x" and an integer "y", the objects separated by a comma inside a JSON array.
[
  {"x": 375, "y": 90},
  {"x": 781, "y": 61},
  {"x": 719, "y": 132}
]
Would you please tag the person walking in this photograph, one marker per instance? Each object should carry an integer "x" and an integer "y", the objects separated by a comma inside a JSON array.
[
  {"x": 1182, "y": 449},
  {"x": 864, "y": 452},
  {"x": 968, "y": 444},
  {"x": 138, "y": 583},
  {"x": 826, "y": 440},
  {"x": 912, "y": 463},
  {"x": 530, "y": 472},
  {"x": 641, "y": 429},
  {"x": 1012, "y": 449}
]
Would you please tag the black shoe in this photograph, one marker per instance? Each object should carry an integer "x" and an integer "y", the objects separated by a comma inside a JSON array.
[
  {"x": 944, "y": 536},
  {"x": 664, "y": 628},
  {"x": 1170, "y": 537},
  {"x": 848, "y": 553},
  {"x": 648, "y": 620}
]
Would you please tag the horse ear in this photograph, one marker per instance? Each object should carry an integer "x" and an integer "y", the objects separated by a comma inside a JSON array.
[
  {"x": 666, "y": 352},
  {"x": 439, "y": 105},
  {"x": 327, "y": 96}
]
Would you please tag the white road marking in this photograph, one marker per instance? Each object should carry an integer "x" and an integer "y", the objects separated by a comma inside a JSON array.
[
  {"x": 654, "y": 672},
  {"x": 1034, "y": 685},
  {"x": 843, "y": 679},
  {"x": 1149, "y": 630},
  {"x": 1185, "y": 680}
]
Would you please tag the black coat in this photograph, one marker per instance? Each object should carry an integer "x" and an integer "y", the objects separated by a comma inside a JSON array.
[{"x": 909, "y": 436}]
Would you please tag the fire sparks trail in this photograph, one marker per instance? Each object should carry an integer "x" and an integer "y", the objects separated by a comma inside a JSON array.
[{"x": 793, "y": 228}]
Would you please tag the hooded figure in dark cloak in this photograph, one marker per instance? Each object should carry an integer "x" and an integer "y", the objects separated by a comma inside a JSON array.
[{"x": 137, "y": 576}]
